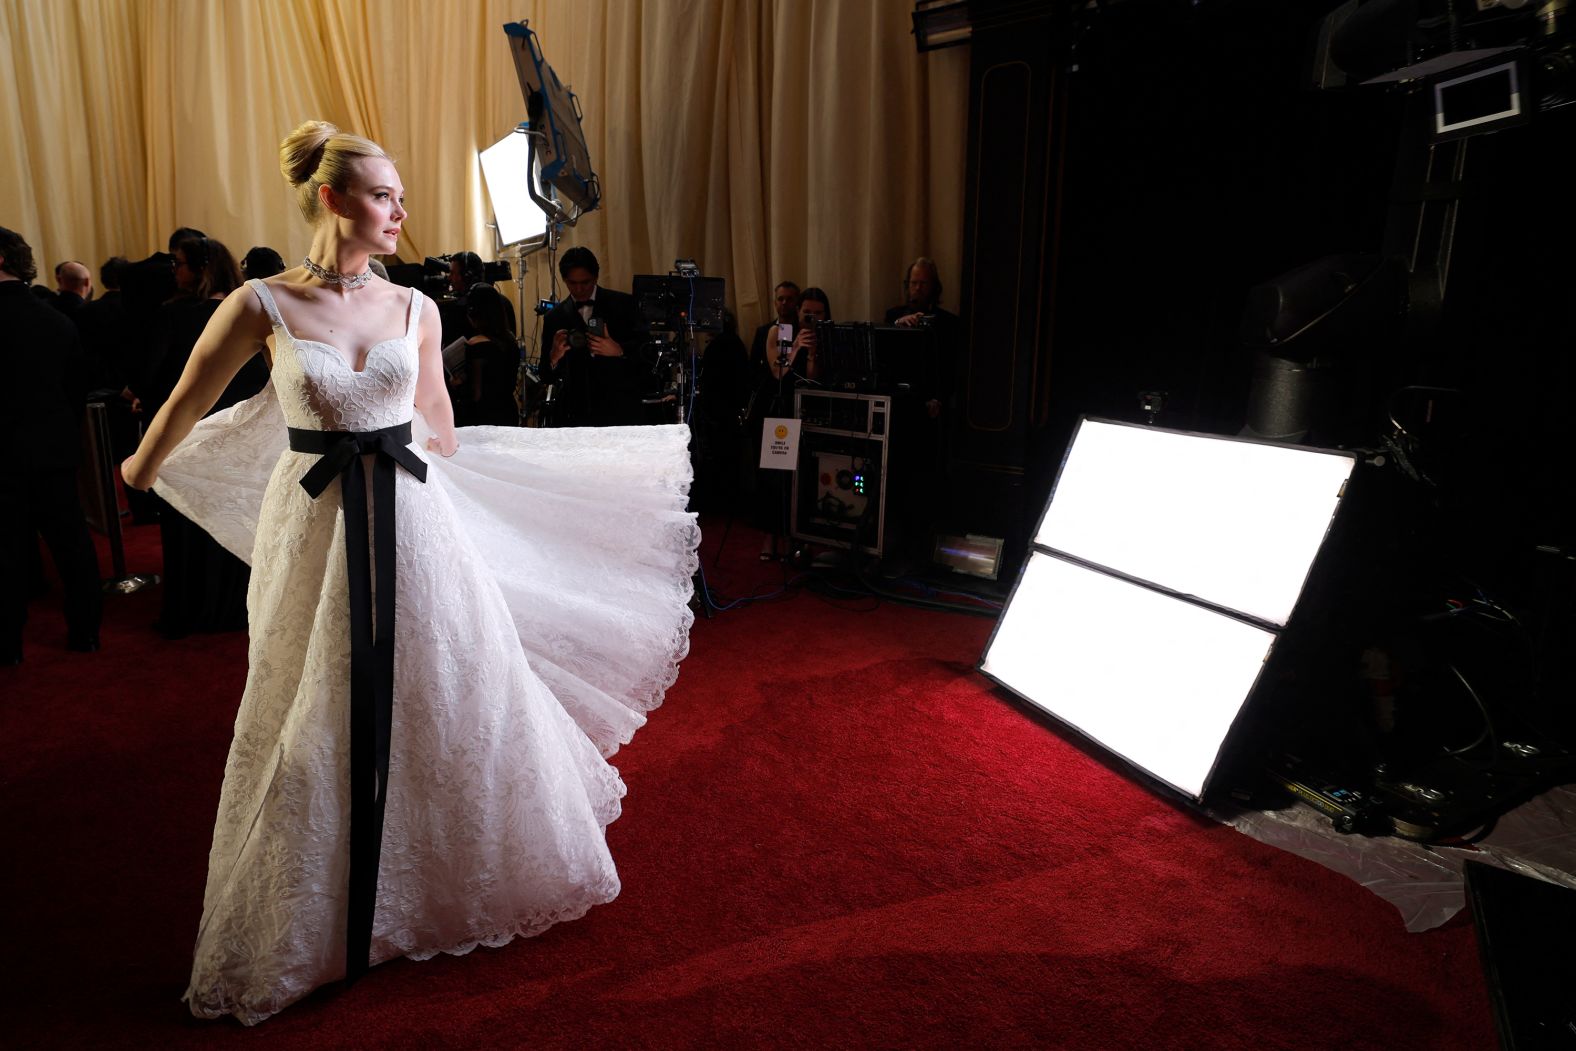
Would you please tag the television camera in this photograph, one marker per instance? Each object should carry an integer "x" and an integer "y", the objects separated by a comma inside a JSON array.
[{"x": 675, "y": 307}]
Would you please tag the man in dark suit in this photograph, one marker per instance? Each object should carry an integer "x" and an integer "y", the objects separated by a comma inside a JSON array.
[
  {"x": 922, "y": 309},
  {"x": 101, "y": 322},
  {"x": 42, "y": 367},
  {"x": 592, "y": 337},
  {"x": 785, "y": 297},
  {"x": 73, "y": 287}
]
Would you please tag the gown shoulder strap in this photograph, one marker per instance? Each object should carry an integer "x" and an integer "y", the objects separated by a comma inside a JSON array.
[
  {"x": 415, "y": 311},
  {"x": 267, "y": 297}
]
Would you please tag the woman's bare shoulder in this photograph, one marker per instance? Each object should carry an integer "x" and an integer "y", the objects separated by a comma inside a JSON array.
[
  {"x": 431, "y": 320},
  {"x": 289, "y": 284},
  {"x": 242, "y": 314}
]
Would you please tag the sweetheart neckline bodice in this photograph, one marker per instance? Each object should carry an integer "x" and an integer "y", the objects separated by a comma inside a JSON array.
[
  {"x": 276, "y": 319},
  {"x": 344, "y": 359},
  {"x": 320, "y": 387}
]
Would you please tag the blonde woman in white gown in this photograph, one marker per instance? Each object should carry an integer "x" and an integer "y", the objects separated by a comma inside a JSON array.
[{"x": 450, "y": 630}]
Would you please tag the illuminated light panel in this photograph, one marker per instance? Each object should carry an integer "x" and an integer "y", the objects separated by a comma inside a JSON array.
[
  {"x": 1153, "y": 678},
  {"x": 506, "y": 166},
  {"x": 1234, "y": 523}
]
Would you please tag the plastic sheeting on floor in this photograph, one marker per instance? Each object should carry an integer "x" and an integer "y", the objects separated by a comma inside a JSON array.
[{"x": 1425, "y": 882}]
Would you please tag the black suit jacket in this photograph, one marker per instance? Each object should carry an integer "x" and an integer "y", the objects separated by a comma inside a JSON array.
[
  {"x": 68, "y": 303},
  {"x": 595, "y": 391},
  {"x": 940, "y": 374},
  {"x": 105, "y": 339},
  {"x": 45, "y": 371}
]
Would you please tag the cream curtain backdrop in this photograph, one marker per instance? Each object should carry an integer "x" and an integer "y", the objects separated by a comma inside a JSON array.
[{"x": 768, "y": 139}]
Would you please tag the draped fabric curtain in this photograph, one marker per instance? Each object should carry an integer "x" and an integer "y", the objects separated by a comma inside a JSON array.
[{"x": 767, "y": 139}]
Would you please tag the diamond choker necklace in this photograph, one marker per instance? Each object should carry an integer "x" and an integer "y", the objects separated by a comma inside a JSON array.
[{"x": 334, "y": 277}]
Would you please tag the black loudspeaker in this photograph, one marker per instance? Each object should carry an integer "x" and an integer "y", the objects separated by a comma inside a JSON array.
[
  {"x": 1524, "y": 929},
  {"x": 840, "y": 481}
]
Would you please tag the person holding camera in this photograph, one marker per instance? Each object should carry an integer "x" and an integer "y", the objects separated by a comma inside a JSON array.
[
  {"x": 591, "y": 336},
  {"x": 785, "y": 298},
  {"x": 794, "y": 361},
  {"x": 922, "y": 309},
  {"x": 913, "y": 496}
]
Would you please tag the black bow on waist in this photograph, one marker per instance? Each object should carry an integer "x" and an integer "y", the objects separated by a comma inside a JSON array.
[{"x": 371, "y": 643}]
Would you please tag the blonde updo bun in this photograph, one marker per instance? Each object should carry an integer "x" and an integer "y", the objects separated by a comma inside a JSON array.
[{"x": 318, "y": 154}]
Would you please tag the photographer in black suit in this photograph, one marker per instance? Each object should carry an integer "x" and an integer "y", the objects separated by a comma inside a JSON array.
[{"x": 592, "y": 336}]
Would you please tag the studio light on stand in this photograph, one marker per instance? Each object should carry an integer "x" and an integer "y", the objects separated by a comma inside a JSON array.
[
  {"x": 517, "y": 222},
  {"x": 1163, "y": 573},
  {"x": 539, "y": 176},
  {"x": 506, "y": 169}
]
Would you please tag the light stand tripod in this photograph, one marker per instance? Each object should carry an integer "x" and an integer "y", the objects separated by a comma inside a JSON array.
[{"x": 530, "y": 366}]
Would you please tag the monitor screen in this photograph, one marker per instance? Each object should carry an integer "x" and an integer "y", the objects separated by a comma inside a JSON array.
[{"x": 1480, "y": 101}]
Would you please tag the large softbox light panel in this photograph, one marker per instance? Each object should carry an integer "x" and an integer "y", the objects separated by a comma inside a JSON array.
[
  {"x": 506, "y": 168},
  {"x": 1162, "y": 572}
]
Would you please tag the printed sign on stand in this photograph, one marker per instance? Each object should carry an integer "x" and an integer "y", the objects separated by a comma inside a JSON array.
[{"x": 779, "y": 444}]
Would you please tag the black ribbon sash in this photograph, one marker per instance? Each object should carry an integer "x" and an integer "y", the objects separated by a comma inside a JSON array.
[{"x": 371, "y": 643}]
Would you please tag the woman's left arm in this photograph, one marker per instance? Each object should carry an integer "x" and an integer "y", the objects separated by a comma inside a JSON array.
[{"x": 432, "y": 394}]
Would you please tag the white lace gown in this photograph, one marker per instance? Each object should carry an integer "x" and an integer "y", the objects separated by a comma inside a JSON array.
[{"x": 541, "y": 611}]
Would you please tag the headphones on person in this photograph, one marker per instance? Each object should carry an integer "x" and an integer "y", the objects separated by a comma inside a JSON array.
[{"x": 935, "y": 276}]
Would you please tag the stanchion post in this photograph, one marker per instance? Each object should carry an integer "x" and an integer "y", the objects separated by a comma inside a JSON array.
[{"x": 103, "y": 465}]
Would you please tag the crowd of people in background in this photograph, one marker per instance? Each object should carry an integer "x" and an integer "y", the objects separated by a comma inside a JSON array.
[
  {"x": 123, "y": 344},
  {"x": 125, "y": 340},
  {"x": 743, "y": 387}
]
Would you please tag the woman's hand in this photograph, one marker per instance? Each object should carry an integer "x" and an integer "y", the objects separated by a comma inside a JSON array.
[
  {"x": 444, "y": 448},
  {"x": 135, "y": 474}
]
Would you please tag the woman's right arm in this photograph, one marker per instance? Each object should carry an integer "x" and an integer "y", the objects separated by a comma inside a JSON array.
[{"x": 236, "y": 331}]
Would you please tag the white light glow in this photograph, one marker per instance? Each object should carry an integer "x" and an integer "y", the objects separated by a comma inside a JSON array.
[
  {"x": 1152, "y": 678},
  {"x": 506, "y": 165},
  {"x": 1233, "y": 523}
]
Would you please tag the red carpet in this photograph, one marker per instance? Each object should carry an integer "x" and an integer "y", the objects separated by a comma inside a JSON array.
[{"x": 836, "y": 835}]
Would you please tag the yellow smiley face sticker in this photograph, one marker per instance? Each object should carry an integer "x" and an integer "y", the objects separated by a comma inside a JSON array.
[{"x": 781, "y": 432}]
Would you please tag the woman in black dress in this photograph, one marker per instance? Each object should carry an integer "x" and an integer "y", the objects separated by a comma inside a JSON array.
[
  {"x": 777, "y": 373},
  {"x": 204, "y": 586},
  {"x": 485, "y": 394}
]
